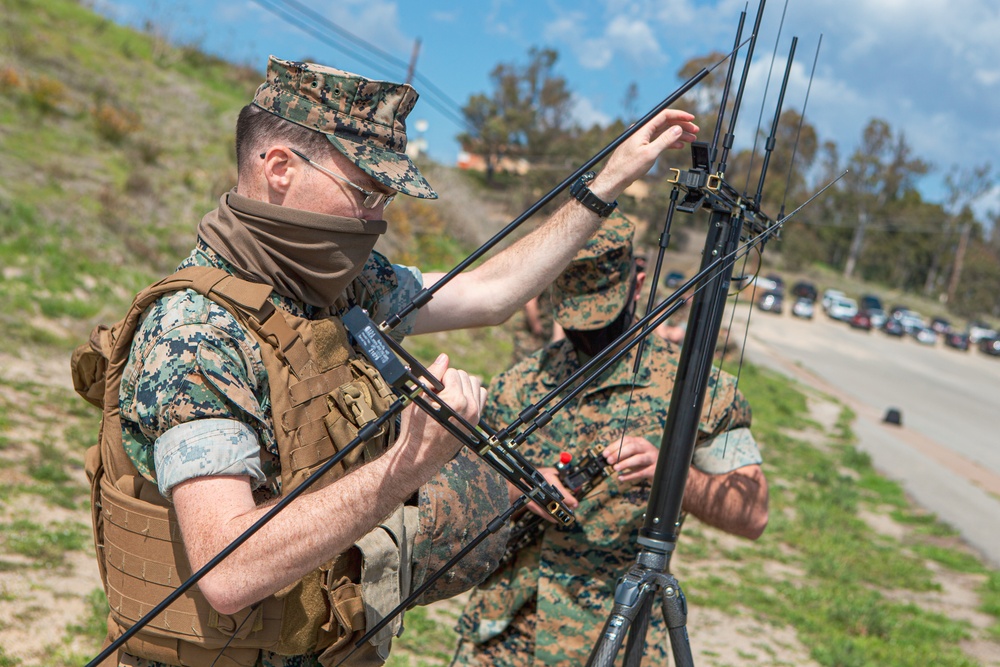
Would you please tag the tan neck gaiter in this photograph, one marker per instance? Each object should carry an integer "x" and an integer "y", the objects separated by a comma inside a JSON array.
[{"x": 307, "y": 256}]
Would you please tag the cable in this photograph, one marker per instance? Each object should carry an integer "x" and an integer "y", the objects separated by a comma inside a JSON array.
[{"x": 306, "y": 20}]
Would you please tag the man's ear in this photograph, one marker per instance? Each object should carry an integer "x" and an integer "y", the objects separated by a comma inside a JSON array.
[
  {"x": 640, "y": 278},
  {"x": 279, "y": 169}
]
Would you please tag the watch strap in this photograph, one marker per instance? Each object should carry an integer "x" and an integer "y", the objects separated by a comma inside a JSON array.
[{"x": 585, "y": 196}]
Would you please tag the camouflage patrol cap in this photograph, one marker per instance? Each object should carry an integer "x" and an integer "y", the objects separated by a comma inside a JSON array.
[
  {"x": 593, "y": 289},
  {"x": 365, "y": 120}
]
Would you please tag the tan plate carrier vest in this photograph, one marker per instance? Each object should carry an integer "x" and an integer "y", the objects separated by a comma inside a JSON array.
[{"x": 322, "y": 392}]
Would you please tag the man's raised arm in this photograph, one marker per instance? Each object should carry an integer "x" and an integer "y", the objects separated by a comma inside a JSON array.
[{"x": 495, "y": 290}]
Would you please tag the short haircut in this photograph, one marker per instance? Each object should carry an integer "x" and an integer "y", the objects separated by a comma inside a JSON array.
[{"x": 257, "y": 129}]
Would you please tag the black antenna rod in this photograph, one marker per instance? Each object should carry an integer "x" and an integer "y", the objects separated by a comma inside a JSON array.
[
  {"x": 763, "y": 101},
  {"x": 769, "y": 147},
  {"x": 426, "y": 294},
  {"x": 798, "y": 132},
  {"x": 727, "y": 142},
  {"x": 725, "y": 97},
  {"x": 664, "y": 241}
]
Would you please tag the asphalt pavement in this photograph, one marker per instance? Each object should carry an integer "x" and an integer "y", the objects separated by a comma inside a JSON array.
[{"x": 946, "y": 452}]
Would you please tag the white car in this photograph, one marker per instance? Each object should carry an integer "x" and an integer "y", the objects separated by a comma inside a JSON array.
[
  {"x": 979, "y": 331},
  {"x": 911, "y": 321},
  {"x": 842, "y": 308},
  {"x": 829, "y": 296},
  {"x": 803, "y": 308},
  {"x": 925, "y": 335},
  {"x": 878, "y": 317}
]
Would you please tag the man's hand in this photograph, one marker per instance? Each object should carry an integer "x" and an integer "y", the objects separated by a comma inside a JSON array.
[
  {"x": 214, "y": 510},
  {"x": 551, "y": 476},
  {"x": 634, "y": 458},
  {"x": 424, "y": 445},
  {"x": 671, "y": 128},
  {"x": 493, "y": 291}
]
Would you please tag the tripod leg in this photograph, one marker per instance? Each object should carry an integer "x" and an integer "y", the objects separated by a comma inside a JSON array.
[
  {"x": 675, "y": 614},
  {"x": 631, "y": 594},
  {"x": 636, "y": 644}
]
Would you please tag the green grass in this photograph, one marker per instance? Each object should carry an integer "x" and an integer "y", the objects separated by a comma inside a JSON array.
[
  {"x": 425, "y": 641},
  {"x": 483, "y": 352},
  {"x": 8, "y": 661},
  {"x": 45, "y": 545},
  {"x": 843, "y": 607}
]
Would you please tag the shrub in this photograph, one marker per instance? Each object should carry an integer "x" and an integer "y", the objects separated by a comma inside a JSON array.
[
  {"x": 115, "y": 123},
  {"x": 46, "y": 93},
  {"x": 9, "y": 79}
]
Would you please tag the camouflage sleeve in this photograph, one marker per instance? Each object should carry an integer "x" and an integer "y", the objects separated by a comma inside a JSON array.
[
  {"x": 727, "y": 452},
  {"x": 502, "y": 404},
  {"x": 190, "y": 362},
  {"x": 725, "y": 441},
  {"x": 207, "y": 447},
  {"x": 409, "y": 281},
  {"x": 384, "y": 289}
]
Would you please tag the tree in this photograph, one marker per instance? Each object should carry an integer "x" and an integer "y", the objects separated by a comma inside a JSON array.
[
  {"x": 964, "y": 187},
  {"x": 527, "y": 109},
  {"x": 883, "y": 169}
]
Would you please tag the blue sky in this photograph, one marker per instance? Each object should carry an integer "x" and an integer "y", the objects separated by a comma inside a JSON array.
[{"x": 931, "y": 68}]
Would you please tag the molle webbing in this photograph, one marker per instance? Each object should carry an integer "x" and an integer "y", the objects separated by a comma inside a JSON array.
[{"x": 321, "y": 395}]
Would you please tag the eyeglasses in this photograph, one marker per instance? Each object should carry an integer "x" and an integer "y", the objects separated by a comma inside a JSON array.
[{"x": 371, "y": 200}]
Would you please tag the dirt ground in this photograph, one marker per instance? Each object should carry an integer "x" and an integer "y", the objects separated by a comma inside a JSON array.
[{"x": 38, "y": 605}]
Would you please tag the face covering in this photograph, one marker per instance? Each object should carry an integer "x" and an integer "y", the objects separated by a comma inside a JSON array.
[
  {"x": 310, "y": 257},
  {"x": 590, "y": 343}
]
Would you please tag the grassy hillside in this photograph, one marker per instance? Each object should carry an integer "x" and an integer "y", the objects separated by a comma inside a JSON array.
[{"x": 115, "y": 143}]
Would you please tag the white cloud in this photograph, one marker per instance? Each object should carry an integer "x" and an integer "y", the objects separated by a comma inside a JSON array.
[
  {"x": 584, "y": 114},
  {"x": 635, "y": 39}
]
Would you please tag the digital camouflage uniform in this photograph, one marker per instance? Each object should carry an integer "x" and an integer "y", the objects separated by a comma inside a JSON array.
[
  {"x": 548, "y": 604},
  {"x": 198, "y": 364},
  {"x": 195, "y": 385}
]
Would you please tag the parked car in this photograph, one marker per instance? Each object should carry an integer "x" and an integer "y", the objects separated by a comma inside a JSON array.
[
  {"x": 893, "y": 327},
  {"x": 990, "y": 346},
  {"x": 770, "y": 302},
  {"x": 957, "y": 340},
  {"x": 870, "y": 302},
  {"x": 911, "y": 320},
  {"x": 779, "y": 284},
  {"x": 765, "y": 284},
  {"x": 804, "y": 290},
  {"x": 924, "y": 335},
  {"x": 877, "y": 316},
  {"x": 673, "y": 279},
  {"x": 940, "y": 325},
  {"x": 861, "y": 320},
  {"x": 842, "y": 308},
  {"x": 828, "y": 297},
  {"x": 897, "y": 310},
  {"x": 803, "y": 308},
  {"x": 980, "y": 330}
]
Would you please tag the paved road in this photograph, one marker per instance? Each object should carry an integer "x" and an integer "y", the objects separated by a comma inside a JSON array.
[{"x": 947, "y": 453}]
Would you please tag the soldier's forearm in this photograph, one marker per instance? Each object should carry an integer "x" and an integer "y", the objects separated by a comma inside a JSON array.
[{"x": 736, "y": 502}]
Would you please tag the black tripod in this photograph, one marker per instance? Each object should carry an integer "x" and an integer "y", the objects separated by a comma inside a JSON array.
[
  {"x": 730, "y": 212},
  {"x": 650, "y": 573}
]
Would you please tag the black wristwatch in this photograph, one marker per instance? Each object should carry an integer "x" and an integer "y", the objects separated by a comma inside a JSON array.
[{"x": 583, "y": 194}]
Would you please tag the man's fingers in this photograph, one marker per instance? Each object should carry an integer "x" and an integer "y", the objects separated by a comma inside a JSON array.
[{"x": 439, "y": 367}]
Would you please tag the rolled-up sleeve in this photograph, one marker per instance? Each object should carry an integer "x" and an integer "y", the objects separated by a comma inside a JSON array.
[
  {"x": 726, "y": 452},
  {"x": 207, "y": 447}
]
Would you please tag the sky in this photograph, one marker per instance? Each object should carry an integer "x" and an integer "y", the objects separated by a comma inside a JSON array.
[{"x": 930, "y": 68}]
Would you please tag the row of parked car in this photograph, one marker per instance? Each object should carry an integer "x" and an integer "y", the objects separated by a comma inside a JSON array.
[{"x": 868, "y": 313}]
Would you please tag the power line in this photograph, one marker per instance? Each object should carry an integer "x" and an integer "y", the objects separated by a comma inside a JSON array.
[{"x": 307, "y": 20}]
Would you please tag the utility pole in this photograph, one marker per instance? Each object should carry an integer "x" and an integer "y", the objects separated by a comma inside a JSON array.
[{"x": 413, "y": 61}]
